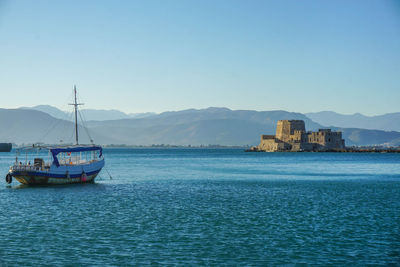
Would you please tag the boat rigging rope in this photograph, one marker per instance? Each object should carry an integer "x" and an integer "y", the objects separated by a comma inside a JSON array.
[
  {"x": 108, "y": 173},
  {"x": 67, "y": 117},
  {"x": 72, "y": 130},
  {"x": 85, "y": 128},
  {"x": 50, "y": 129},
  {"x": 83, "y": 120}
]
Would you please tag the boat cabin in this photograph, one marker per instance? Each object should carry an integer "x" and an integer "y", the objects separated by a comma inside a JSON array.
[{"x": 42, "y": 158}]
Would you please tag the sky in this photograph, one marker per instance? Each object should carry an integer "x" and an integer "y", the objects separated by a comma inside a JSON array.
[{"x": 155, "y": 56}]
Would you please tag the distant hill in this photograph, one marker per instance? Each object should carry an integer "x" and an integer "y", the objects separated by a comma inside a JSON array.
[
  {"x": 141, "y": 115},
  {"x": 31, "y": 126},
  {"x": 187, "y": 127},
  {"x": 52, "y": 111},
  {"x": 365, "y": 137},
  {"x": 100, "y": 115},
  {"x": 386, "y": 122},
  {"x": 89, "y": 114}
]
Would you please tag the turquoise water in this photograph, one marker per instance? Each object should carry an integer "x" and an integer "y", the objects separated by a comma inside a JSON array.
[{"x": 210, "y": 207}]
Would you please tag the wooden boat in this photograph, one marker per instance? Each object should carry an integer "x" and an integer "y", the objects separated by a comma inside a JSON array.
[{"x": 64, "y": 164}]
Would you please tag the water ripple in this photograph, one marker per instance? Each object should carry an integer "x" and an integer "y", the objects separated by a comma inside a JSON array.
[{"x": 209, "y": 208}]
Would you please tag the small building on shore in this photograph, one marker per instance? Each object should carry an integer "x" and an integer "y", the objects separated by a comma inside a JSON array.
[{"x": 291, "y": 135}]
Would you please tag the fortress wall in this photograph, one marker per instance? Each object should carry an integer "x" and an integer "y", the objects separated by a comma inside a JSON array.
[
  {"x": 334, "y": 140},
  {"x": 297, "y": 136},
  {"x": 316, "y": 137},
  {"x": 273, "y": 145},
  {"x": 265, "y": 137},
  {"x": 269, "y": 145},
  {"x": 327, "y": 139}
]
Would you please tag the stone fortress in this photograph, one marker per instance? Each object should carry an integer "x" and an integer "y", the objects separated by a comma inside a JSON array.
[{"x": 291, "y": 135}]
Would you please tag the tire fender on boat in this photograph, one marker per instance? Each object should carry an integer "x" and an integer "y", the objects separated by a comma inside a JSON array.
[
  {"x": 83, "y": 177},
  {"x": 8, "y": 178}
]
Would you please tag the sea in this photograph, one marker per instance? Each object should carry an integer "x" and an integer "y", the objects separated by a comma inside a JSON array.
[{"x": 213, "y": 207}]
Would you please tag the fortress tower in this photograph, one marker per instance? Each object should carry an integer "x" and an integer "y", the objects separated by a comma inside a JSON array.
[{"x": 287, "y": 130}]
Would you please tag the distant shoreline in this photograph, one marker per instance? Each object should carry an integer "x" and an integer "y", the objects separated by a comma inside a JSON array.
[
  {"x": 345, "y": 150},
  {"x": 178, "y": 146},
  {"x": 148, "y": 146}
]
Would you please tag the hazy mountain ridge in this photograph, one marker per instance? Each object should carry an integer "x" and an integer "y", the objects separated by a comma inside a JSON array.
[
  {"x": 89, "y": 114},
  {"x": 386, "y": 122},
  {"x": 365, "y": 137},
  {"x": 31, "y": 126},
  {"x": 195, "y": 127},
  {"x": 190, "y": 115}
]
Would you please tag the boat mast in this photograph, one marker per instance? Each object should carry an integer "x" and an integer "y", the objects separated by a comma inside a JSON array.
[{"x": 75, "y": 104}]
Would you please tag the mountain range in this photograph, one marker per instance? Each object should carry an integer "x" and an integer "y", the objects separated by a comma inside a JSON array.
[
  {"x": 89, "y": 114},
  {"x": 386, "y": 122},
  {"x": 220, "y": 126}
]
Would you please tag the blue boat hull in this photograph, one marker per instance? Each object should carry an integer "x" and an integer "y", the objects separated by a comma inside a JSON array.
[
  {"x": 30, "y": 178},
  {"x": 64, "y": 174}
]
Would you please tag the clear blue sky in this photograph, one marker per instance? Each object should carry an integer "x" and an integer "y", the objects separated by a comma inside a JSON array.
[{"x": 139, "y": 56}]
